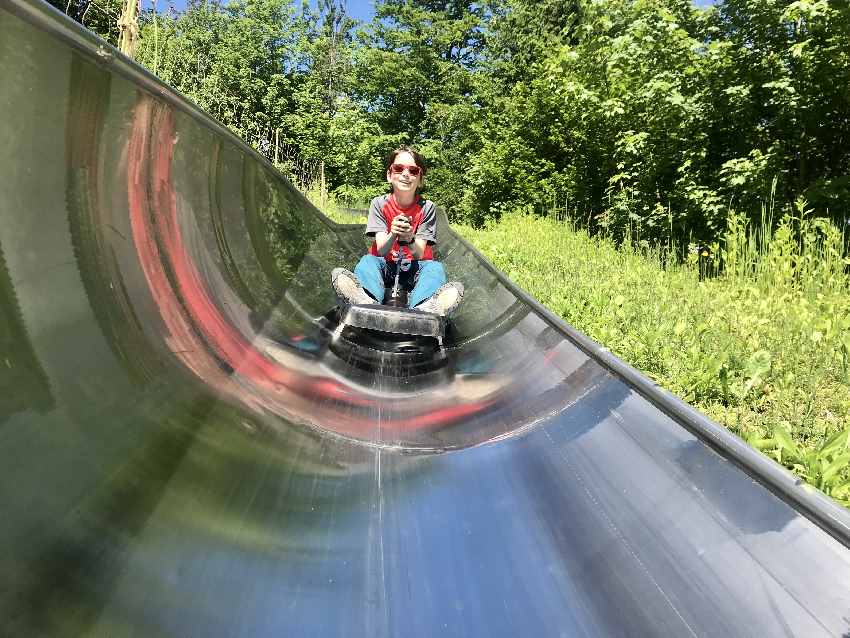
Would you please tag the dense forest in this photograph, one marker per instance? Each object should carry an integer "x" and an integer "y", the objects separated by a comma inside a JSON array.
[{"x": 648, "y": 118}]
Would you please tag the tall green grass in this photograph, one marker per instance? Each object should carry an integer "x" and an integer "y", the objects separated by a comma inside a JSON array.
[
  {"x": 334, "y": 209},
  {"x": 762, "y": 347}
]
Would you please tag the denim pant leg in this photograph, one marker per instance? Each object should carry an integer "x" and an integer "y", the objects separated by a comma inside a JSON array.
[
  {"x": 370, "y": 272},
  {"x": 430, "y": 276}
]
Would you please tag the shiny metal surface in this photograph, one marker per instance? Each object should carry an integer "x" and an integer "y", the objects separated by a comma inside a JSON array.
[{"x": 183, "y": 454}]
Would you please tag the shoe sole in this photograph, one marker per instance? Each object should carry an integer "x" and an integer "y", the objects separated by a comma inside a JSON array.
[{"x": 347, "y": 288}]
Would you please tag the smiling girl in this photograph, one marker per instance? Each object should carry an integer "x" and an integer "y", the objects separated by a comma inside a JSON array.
[{"x": 404, "y": 227}]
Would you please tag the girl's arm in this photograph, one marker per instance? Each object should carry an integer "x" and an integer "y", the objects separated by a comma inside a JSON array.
[
  {"x": 400, "y": 230},
  {"x": 384, "y": 242},
  {"x": 418, "y": 247}
]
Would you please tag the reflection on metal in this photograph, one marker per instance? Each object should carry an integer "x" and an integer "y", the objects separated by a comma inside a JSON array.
[
  {"x": 23, "y": 384},
  {"x": 188, "y": 452}
]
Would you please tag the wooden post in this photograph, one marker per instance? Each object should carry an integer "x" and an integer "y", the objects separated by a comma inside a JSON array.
[
  {"x": 128, "y": 25},
  {"x": 322, "y": 183}
]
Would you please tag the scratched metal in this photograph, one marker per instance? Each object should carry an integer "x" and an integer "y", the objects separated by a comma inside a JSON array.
[{"x": 183, "y": 452}]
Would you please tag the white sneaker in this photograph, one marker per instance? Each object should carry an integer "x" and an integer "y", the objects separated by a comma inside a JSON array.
[
  {"x": 445, "y": 301},
  {"x": 348, "y": 287}
]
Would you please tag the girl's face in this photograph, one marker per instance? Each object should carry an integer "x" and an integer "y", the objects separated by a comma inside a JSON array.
[{"x": 404, "y": 183}]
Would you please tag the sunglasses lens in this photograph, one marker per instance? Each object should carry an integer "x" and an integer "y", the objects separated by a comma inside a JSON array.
[{"x": 398, "y": 169}]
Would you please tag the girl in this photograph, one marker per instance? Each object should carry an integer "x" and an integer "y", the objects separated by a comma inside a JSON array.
[{"x": 404, "y": 228}]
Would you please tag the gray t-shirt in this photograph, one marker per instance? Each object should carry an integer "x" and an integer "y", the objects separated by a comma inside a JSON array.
[{"x": 378, "y": 222}]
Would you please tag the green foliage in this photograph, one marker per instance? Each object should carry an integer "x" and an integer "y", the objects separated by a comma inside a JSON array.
[
  {"x": 774, "y": 71},
  {"x": 645, "y": 119},
  {"x": 100, "y": 16},
  {"x": 824, "y": 466},
  {"x": 761, "y": 348},
  {"x": 278, "y": 77},
  {"x": 648, "y": 117},
  {"x": 521, "y": 33},
  {"x": 341, "y": 211},
  {"x": 323, "y": 119},
  {"x": 416, "y": 55},
  {"x": 240, "y": 61},
  {"x": 416, "y": 77},
  {"x": 608, "y": 121}
]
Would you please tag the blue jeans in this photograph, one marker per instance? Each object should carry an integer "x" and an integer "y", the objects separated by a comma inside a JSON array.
[{"x": 376, "y": 274}]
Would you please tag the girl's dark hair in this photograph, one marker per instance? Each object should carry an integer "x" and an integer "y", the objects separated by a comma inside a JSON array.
[{"x": 417, "y": 157}]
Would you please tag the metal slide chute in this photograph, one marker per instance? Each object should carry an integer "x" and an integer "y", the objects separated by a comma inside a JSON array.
[{"x": 184, "y": 454}]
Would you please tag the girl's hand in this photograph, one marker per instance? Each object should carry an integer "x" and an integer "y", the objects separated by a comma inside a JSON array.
[
  {"x": 400, "y": 225},
  {"x": 401, "y": 228}
]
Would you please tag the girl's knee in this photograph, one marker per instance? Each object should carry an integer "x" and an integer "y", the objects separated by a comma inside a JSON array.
[
  {"x": 369, "y": 260},
  {"x": 369, "y": 264},
  {"x": 433, "y": 268}
]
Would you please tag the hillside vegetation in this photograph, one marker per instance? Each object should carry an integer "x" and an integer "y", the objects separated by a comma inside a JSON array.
[{"x": 762, "y": 347}]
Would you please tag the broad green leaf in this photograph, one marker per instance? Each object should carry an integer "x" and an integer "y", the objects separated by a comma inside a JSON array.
[
  {"x": 835, "y": 467},
  {"x": 837, "y": 442},
  {"x": 785, "y": 442}
]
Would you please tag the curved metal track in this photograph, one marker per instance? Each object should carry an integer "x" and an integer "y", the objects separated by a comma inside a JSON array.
[{"x": 182, "y": 452}]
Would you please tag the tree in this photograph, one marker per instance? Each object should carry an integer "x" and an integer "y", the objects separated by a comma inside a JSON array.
[
  {"x": 100, "y": 16},
  {"x": 415, "y": 54},
  {"x": 242, "y": 62},
  {"x": 328, "y": 78},
  {"x": 780, "y": 105},
  {"x": 417, "y": 72},
  {"x": 521, "y": 33},
  {"x": 606, "y": 118}
]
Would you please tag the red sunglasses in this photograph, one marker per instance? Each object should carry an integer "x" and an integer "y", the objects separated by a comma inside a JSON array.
[{"x": 398, "y": 169}]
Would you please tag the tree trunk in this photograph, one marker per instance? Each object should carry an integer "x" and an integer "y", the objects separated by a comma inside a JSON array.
[{"x": 128, "y": 26}]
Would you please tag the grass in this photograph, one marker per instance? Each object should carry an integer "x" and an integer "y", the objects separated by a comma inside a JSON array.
[
  {"x": 763, "y": 347},
  {"x": 336, "y": 211}
]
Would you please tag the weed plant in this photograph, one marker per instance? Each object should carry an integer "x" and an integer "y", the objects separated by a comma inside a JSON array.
[
  {"x": 339, "y": 213},
  {"x": 762, "y": 346}
]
